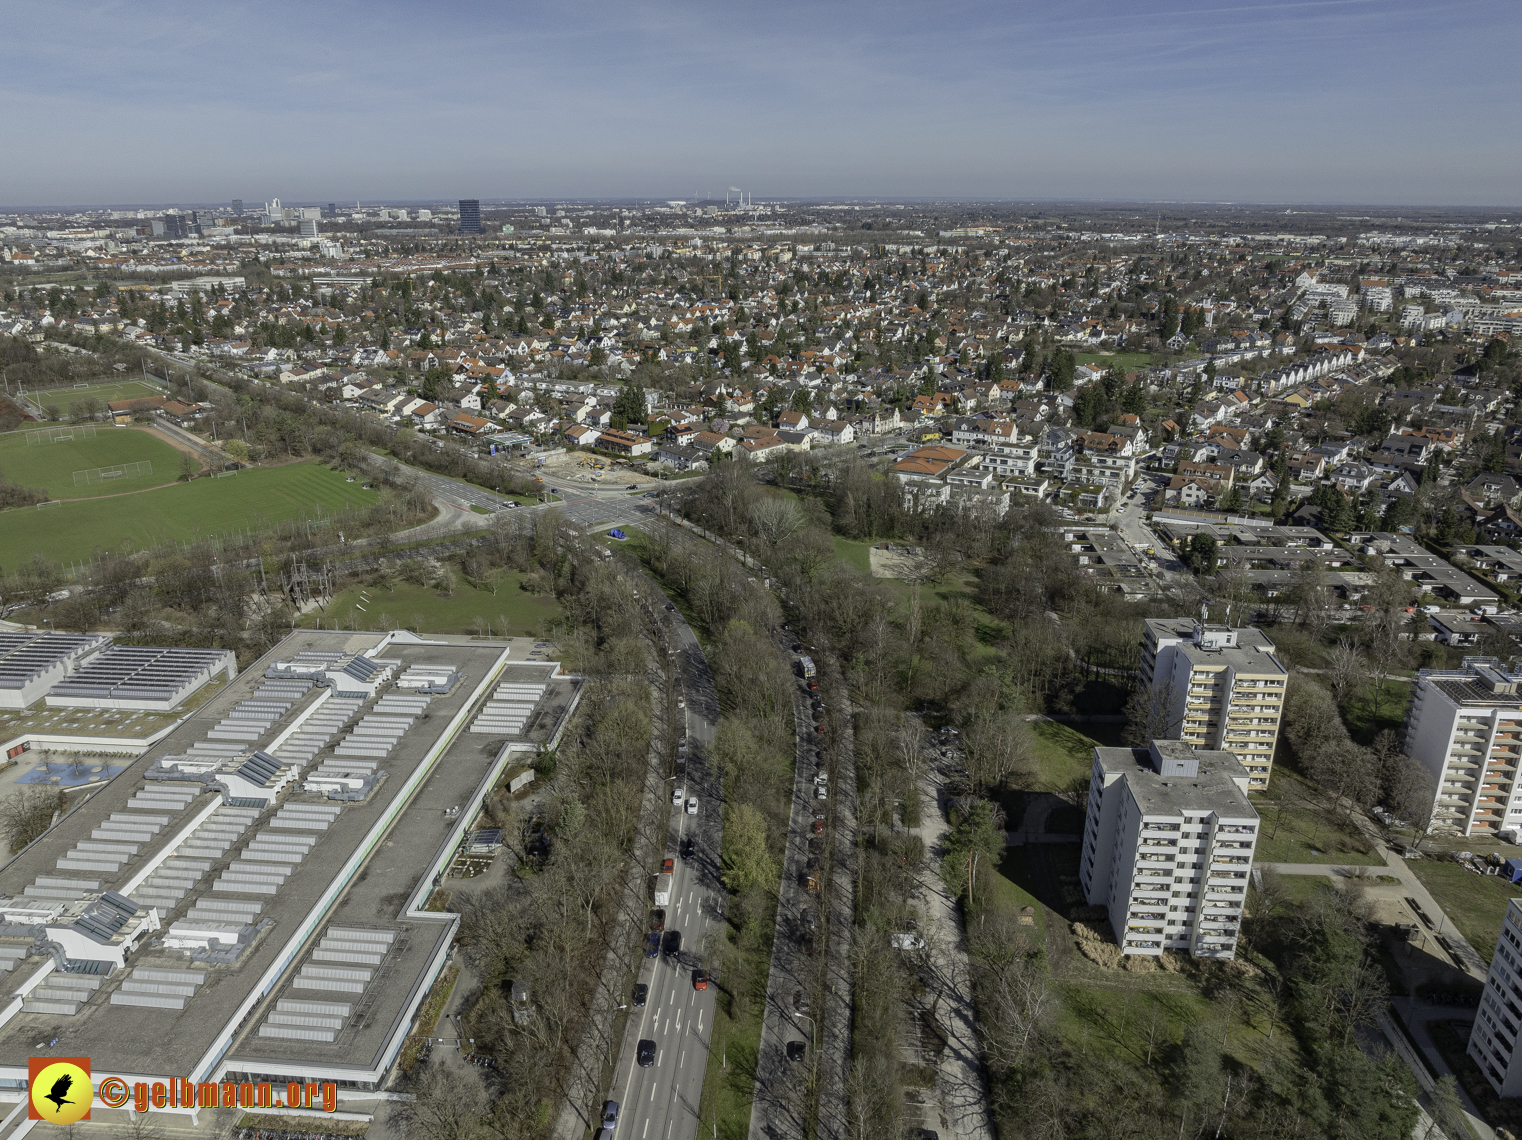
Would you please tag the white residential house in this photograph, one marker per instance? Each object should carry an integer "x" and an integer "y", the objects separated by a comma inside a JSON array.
[{"x": 834, "y": 431}]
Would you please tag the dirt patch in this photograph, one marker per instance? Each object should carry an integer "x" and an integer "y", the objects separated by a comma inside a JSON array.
[
  {"x": 895, "y": 561},
  {"x": 175, "y": 442}
]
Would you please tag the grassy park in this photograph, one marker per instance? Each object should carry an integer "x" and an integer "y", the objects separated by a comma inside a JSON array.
[
  {"x": 1299, "y": 826},
  {"x": 1475, "y": 904},
  {"x": 1129, "y": 361},
  {"x": 254, "y": 499},
  {"x": 424, "y": 609}
]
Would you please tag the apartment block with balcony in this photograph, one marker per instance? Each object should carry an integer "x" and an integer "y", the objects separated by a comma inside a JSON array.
[
  {"x": 1465, "y": 728},
  {"x": 1216, "y": 687},
  {"x": 1493, "y": 1040},
  {"x": 1168, "y": 847}
]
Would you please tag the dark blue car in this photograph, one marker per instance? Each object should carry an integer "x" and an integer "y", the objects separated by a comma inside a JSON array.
[{"x": 653, "y": 945}]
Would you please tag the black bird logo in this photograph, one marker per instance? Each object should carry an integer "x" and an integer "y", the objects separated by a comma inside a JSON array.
[{"x": 60, "y": 1091}]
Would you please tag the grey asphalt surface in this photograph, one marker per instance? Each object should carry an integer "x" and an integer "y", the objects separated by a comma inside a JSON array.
[
  {"x": 661, "y": 1102},
  {"x": 779, "y": 1109}
]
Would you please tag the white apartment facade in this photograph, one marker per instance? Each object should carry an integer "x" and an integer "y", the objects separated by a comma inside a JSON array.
[
  {"x": 1465, "y": 728},
  {"x": 1168, "y": 847},
  {"x": 1216, "y": 687},
  {"x": 1493, "y": 1040},
  {"x": 1015, "y": 460}
]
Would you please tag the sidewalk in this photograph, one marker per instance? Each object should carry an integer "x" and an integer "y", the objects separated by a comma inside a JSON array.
[
  {"x": 1469, "y": 960},
  {"x": 959, "y": 1079}
]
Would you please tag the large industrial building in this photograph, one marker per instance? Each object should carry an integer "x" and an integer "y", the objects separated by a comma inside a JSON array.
[
  {"x": 246, "y": 900},
  {"x": 1168, "y": 847}
]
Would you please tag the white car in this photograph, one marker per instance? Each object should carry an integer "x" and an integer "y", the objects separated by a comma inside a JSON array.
[
  {"x": 692, "y": 805},
  {"x": 822, "y": 779},
  {"x": 677, "y": 796},
  {"x": 821, "y": 792},
  {"x": 1432, "y": 609}
]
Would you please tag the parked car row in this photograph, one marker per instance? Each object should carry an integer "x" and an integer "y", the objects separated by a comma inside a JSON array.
[{"x": 812, "y": 875}]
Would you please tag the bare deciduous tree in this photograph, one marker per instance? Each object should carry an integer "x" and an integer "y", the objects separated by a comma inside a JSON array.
[
  {"x": 26, "y": 813},
  {"x": 1345, "y": 669}
]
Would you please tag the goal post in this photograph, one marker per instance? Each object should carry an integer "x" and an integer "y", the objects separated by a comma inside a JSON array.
[{"x": 92, "y": 475}]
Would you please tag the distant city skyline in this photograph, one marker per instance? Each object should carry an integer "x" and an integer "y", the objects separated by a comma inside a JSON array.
[{"x": 1372, "y": 102}]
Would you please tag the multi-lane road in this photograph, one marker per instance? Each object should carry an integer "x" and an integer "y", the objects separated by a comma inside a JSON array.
[{"x": 661, "y": 1102}]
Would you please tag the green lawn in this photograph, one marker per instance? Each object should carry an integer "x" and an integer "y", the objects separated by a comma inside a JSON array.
[
  {"x": 64, "y": 398},
  {"x": 1065, "y": 753},
  {"x": 1129, "y": 361},
  {"x": 53, "y": 466},
  {"x": 1371, "y": 712},
  {"x": 253, "y": 499},
  {"x": 1474, "y": 903},
  {"x": 425, "y": 610},
  {"x": 1295, "y": 830},
  {"x": 854, "y": 554},
  {"x": 729, "y": 1082},
  {"x": 1000, "y": 892}
]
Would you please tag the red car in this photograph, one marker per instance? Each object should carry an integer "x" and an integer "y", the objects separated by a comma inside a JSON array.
[
  {"x": 819, "y": 827},
  {"x": 819, "y": 728},
  {"x": 700, "y": 979}
]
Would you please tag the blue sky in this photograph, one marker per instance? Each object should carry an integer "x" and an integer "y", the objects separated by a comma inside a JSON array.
[{"x": 1375, "y": 101}]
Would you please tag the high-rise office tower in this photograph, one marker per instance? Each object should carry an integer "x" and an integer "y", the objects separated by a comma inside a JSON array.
[
  {"x": 332, "y": 207},
  {"x": 308, "y": 227},
  {"x": 238, "y": 207},
  {"x": 1213, "y": 686},
  {"x": 470, "y": 216},
  {"x": 176, "y": 226}
]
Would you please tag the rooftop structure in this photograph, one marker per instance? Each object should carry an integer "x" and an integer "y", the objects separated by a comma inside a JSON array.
[
  {"x": 141, "y": 677},
  {"x": 1167, "y": 847},
  {"x": 249, "y": 894},
  {"x": 1424, "y": 568},
  {"x": 32, "y": 663}
]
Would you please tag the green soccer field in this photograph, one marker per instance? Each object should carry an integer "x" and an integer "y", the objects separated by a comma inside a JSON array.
[
  {"x": 63, "y": 398},
  {"x": 53, "y": 465},
  {"x": 253, "y": 499}
]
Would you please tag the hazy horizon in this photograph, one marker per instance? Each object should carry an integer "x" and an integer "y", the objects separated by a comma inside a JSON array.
[{"x": 1343, "y": 103}]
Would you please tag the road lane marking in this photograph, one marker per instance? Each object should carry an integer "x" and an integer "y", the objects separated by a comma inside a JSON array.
[
  {"x": 644, "y": 1131},
  {"x": 700, "y": 1021}
]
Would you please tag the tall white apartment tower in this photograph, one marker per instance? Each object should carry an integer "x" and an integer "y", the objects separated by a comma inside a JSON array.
[
  {"x": 1215, "y": 687},
  {"x": 1465, "y": 727},
  {"x": 1493, "y": 1040},
  {"x": 1168, "y": 846}
]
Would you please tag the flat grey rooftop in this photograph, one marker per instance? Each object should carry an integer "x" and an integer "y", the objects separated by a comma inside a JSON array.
[
  {"x": 114, "y": 1035},
  {"x": 1213, "y": 789}
]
